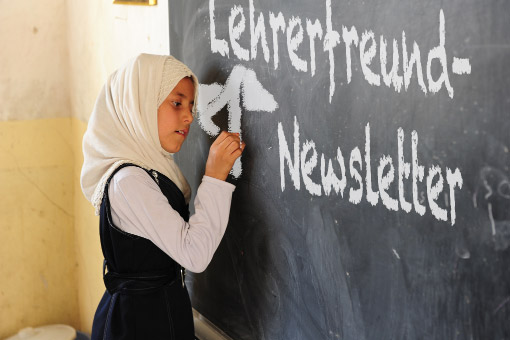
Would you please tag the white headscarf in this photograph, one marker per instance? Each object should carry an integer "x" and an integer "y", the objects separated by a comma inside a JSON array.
[{"x": 123, "y": 127}]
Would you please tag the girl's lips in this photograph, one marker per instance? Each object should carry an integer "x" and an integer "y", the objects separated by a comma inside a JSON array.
[{"x": 183, "y": 133}]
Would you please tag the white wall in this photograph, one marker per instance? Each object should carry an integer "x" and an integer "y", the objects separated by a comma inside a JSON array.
[
  {"x": 102, "y": 37},
  {"x": 34, "y": 60},
  {"x": 56, "y": 54}
]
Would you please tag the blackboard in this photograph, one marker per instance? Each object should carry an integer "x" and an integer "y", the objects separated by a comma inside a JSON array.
[{"x": 410, "y": 237}]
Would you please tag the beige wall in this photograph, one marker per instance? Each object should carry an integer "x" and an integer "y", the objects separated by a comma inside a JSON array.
[
  {"x": 56, "y": 54},
  {"x": 38, "y": 270},
  {"x": 88, "y": 254}
]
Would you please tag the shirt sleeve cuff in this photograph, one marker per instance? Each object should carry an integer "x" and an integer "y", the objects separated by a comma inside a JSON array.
[{"x": 219, "y": 182}]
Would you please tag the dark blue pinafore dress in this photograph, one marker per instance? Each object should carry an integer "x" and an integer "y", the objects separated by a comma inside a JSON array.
[{"x": 145, "y": 295}]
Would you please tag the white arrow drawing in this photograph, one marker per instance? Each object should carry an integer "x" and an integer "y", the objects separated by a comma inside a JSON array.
[{"x": 213, "y": 97}]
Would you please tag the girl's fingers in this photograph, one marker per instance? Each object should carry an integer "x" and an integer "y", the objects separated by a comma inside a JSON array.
[
  {"x": 229, "y": 140},
  {"x": 223, "y": 135},
  {"x": 232, "y": 147},
  {"x": 238, "y": 145},
  {"x": 222, "y": 154},
  {"x": 237, "y": 151},
  {"x": 229, "y": 144}
]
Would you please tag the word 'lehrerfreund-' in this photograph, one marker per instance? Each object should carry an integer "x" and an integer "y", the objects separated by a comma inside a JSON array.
[
  {"x": 302, "y": 163},
  {"x": 295, "y": 31}
]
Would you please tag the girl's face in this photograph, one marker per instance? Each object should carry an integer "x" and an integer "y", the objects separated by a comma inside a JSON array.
[{"x": 175, "y": 115}]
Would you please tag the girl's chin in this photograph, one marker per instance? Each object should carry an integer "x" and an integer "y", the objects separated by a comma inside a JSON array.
[{"x": 173, "y": 148}]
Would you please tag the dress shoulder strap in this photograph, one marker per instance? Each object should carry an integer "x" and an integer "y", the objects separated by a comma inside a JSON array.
[{"x": 152, "y": 173}]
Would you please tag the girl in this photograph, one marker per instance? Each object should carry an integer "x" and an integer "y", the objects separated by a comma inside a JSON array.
[{"x": 141, "y": 118}]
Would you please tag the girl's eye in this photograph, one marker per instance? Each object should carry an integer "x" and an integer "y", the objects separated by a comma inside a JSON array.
[{"x": 177, "y": 104}]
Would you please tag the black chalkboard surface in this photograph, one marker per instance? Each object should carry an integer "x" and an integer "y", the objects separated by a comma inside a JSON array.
[{"x": 373, "y": 199}]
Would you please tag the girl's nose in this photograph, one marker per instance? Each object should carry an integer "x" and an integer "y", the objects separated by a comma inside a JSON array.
[{"x": 188, "y": 116}]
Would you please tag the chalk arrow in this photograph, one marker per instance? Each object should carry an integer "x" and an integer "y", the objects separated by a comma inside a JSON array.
[{"x": 213, "y": 97}]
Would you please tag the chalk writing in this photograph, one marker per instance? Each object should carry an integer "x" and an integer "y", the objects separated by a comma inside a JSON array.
[
  {"x": 301, "y": 163},
  {"x": 366, "y": 44},
  {"x": 214, "y": 97},
  {"x": 303, "y": 158}
]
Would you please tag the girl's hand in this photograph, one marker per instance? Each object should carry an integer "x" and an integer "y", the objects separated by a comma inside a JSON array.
[{"x": 222, "y": 155}]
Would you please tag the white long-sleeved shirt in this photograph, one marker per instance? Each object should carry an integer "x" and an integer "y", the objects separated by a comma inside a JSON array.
[{"x": 139, "y": 207}]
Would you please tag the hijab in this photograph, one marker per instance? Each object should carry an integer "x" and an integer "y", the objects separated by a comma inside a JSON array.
[{"x": 123, "y": 127}]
